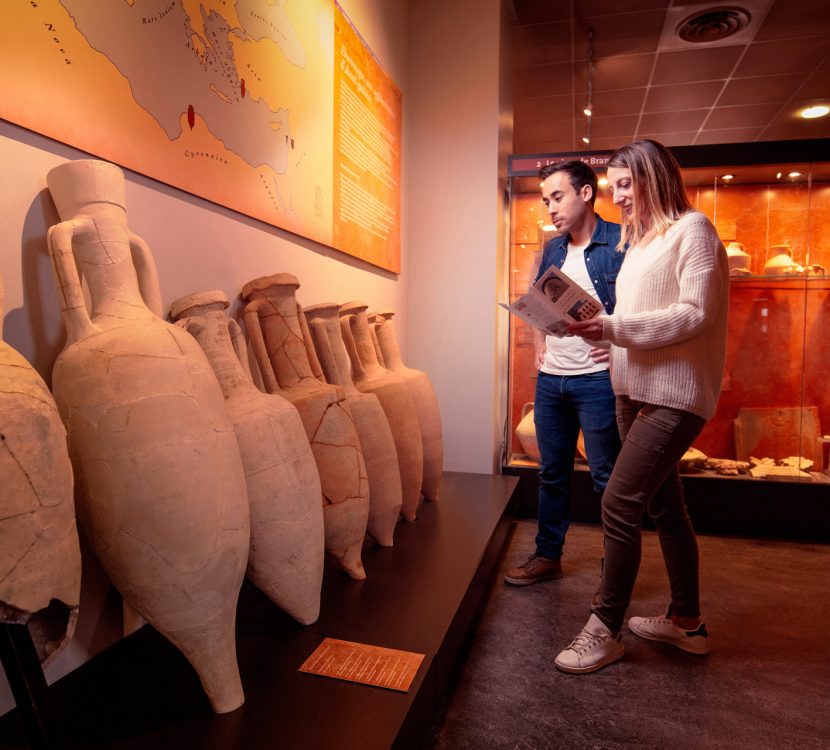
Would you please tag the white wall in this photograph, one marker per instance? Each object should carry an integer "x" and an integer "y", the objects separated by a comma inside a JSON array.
[{"x": 457, "y": 117}]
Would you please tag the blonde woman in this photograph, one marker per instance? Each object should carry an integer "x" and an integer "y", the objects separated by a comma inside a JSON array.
[{"x": 668, "y": 340}]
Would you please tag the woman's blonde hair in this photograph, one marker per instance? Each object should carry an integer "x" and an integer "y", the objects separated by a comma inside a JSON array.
[{"x": 658, "y": 191}]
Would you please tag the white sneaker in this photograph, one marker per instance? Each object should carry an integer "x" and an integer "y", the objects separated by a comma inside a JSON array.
[
  {"x": 594, "y": 648},
  {"x": 661, "y": 628}
]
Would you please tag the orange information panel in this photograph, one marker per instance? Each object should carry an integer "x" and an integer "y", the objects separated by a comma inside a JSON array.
[
  {"x": 367, "y": 152},
  {"x": 359, "y": 662}
]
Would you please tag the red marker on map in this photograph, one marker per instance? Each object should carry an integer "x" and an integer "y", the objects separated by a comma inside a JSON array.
[
  {"x": 191, "y": 116},
  {"x": 242, "y": 86}
]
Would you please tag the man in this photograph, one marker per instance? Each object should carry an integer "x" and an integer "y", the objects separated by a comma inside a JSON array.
[{"x": 573, "y": 389}]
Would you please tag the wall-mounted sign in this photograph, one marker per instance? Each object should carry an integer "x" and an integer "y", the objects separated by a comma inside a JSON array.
[
  {"x": 529, "y": 166},
  {"x": 274, "y": 109}
]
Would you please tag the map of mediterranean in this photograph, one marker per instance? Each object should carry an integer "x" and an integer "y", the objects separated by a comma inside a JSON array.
[{"x": 233, "y": 101}]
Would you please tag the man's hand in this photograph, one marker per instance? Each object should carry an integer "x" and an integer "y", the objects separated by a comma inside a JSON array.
[
  {"x": 539, "y": 354},
  {"x": 539, "y": 348},
  {"x": 590, "y": 330}
]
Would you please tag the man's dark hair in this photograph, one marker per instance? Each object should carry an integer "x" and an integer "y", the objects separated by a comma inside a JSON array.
[{"x": 579, "y": 174}]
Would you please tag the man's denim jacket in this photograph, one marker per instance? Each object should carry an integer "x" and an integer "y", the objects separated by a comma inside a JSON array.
[{"x": 602, "y": 260}]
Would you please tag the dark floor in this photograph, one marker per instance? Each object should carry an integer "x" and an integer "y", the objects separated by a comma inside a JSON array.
[{"x": 766, "y": 683}]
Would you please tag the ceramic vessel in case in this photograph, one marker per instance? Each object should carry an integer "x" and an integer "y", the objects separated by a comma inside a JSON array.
[
  {"x": 423, "y": 396},
  {"x": 286, "y": 557},
  {"x": 282, "y": 349},
  {"x": 371, "y": 377},
  {"x": 40, "y": 561},
  {"x": 376, "y": 439},
  {"x": 160, "y": 489}
]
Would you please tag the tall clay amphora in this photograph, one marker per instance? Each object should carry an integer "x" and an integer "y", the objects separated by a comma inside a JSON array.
[
  {"x": 371, "y": 377},
  {"x": 376, "y": 437},
  {"x": 426, "y": 403},
  {"x": 159, "y": 483},
  {"x": 276, "y": 335},
  {"x": 286, "y": 558},
  {"x": 40, "y": 562}
]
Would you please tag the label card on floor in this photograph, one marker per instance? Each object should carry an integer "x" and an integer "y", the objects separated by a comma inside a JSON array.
[{"x": 359, "y": 662}]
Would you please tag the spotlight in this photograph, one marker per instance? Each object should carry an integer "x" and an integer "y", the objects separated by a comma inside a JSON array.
[
  {"x": 602, "y": 182},
  {"x": 586, "y": 139},
  {"x": 794, "y": 174},
  {"x": 589, "y": 110},
  {"x": 778, "y": 176},
  {"x": 818, "y": 110},
  {"x": 727, "y": 177}
]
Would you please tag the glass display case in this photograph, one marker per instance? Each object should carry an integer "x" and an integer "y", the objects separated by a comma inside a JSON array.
[{"x": 771, "y": 206}]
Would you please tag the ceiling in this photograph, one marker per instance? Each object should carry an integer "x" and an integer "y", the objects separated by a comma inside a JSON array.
[{"x": 648, "y": 83}]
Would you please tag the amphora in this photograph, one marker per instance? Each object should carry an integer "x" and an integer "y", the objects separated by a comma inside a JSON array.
[
  {"x": 376, "y": 439},
  {"x": 282, "y": 350},
  {"x": 371, "y": 377},
  {"x": 160, "y": 489},
  {"x": 426, "y": 403},
  {"x": 40, "y": 561},
  {"x": 286, "y": 557}
]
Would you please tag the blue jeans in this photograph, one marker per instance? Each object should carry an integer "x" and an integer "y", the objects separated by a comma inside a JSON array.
[{"x": 563, "y": 404}]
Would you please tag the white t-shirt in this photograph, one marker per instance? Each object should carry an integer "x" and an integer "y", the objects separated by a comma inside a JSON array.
[{"x": 570, "y": 355}]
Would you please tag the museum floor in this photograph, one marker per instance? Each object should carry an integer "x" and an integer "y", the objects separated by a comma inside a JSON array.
[{"x": 765, "y": 684}]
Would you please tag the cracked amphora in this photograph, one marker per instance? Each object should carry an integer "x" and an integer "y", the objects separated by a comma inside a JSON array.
[
  {"x": 371, "y": 377},
  {"x": 160, "y": 489},
  {"x": 376, "y": 439},
  {"x": 423, "y": 395},
  {"x": 286, "y": 558},
  {"x": 282, "y": 349},
  {"x": 40, "y": 561}
]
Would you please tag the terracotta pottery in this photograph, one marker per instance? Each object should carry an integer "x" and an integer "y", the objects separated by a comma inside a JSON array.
[
  {"x": 426, "y": 403},
  {"x": 160, "y": 489},
  {"x": 738, "y": 259},
  {"x": 286, "y": 558},
  {"x": 526, "y": 432},
  {"x": 781, "y": 262},
  {"x": 40, "y": 561},
  {"x": 394, "y": 397},
  {"x": 385, "y": 496},
  {"x": 275, "y": 332}
]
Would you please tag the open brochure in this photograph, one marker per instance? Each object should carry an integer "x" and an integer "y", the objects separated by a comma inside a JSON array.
[{"x": 553, "y": 302}]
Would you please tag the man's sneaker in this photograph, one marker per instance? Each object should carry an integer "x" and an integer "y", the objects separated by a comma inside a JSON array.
[
  {"x": 661, "y": 628},
  {"x": 537, "y": 568},
  {"x": 594, "y": 648}
]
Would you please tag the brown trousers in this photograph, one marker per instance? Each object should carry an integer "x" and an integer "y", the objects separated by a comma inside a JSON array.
[{"x": 645, "y": 478}]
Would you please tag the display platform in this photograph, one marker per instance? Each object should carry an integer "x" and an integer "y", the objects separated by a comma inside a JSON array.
[
  {"x": 422, "y": 595},
  {"x": 738, "y": 506}
]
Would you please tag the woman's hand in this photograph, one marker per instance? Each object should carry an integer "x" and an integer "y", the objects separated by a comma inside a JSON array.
[{"x": 590, "y": 330}]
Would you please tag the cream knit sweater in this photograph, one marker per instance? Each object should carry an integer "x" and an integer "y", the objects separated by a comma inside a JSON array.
[{"x": 668, "y": 330}]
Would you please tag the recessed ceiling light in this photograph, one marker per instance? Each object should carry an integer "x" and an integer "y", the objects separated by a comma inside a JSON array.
[
  {"x": 727, "y": 177},
  {"x": 810, "y": 113},
  {"x": 794, "y": 174}
]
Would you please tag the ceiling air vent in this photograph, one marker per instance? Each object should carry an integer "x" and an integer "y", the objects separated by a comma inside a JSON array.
[{"x": 713, "y": 24}]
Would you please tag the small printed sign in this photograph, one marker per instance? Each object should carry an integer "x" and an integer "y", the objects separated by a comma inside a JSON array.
[{"x": 359, "y": 662}]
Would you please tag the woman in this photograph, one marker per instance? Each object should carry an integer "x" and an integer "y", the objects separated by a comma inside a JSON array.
[{"x": 668, "y": 340}]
